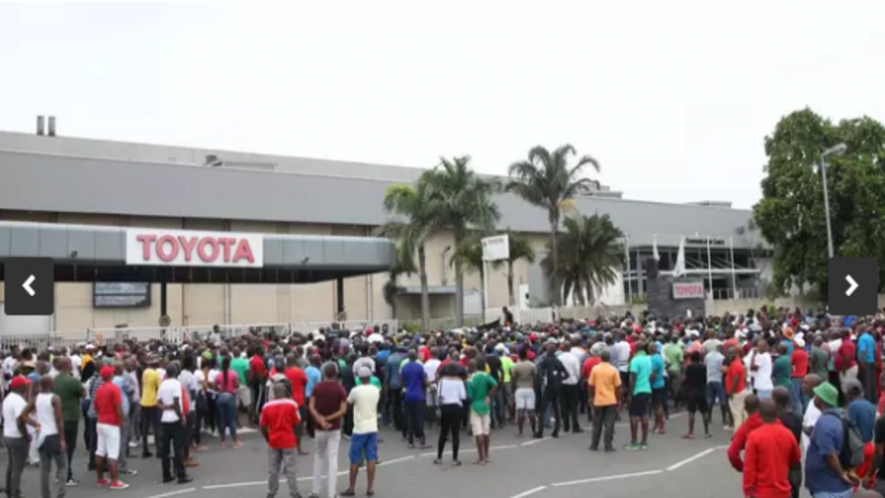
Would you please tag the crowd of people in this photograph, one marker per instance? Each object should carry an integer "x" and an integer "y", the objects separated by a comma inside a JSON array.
[{"x": 783, "y": 380}]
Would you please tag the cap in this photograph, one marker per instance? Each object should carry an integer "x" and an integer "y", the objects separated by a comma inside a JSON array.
[
  {"x": 19, "y": 381},
  {"x": 364, "y": 372},
  {"x": 827, "y": 393},
  {"x": 107, "y": 372},
  {"x": 852, "y": 386}
]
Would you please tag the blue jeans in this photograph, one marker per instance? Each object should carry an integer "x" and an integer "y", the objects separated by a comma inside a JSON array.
[
  {"x": 764, "y": 393},
  {"x": 226, "y": 404},
  {"x": 798, "y": 399},
  {"x": 844, "y": 494}
]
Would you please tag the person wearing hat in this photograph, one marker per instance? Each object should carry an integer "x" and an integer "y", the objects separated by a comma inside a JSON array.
[
  {"x": 15, "y": 433},
  {"x": 824, "y": 474},
  {"x": 364, "y": 442},
  {"x": 108, "y": 405},
  {"x": 799, "y": 369}
]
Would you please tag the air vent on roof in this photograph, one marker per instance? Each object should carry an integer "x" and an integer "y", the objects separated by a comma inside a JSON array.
[
  {"x": 213, "y": 161},
  {"x": 40, "y": 125},
  {"x": 51, "y": 131}
]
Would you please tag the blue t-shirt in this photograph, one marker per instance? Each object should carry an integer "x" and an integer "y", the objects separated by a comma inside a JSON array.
[
  {"x": 862, "y": 414},
  {"x": 313, "y": 376},
  {"x": 641, "y": 366},
  {"x": 392, "y": 371},
  {"x": 657, "y": 367},
  {"x": 826, "y": 439},
  {"x": 866, "y": 348},
  {"x": 413, "y": 377}
]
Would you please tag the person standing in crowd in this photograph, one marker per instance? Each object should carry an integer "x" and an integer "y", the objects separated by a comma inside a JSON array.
[
  {"x": 875, "y": 478},
  {"x": 639, "y": 397},
  {"x": 818, "y": 361},
  {"x": 364, "y": 442},
  {"x": 696, "y": 393},
  {"x": 415, "y": 383},
  {"x": 227, "y": 382},
  {"x": 257, "y": 381},
  {"x": 771, "y": 452},
  {"x": 278, "y": 420},
  {"x": 91, "y": 415},
  {"x": 452, "y": 395},
  {"x": 481, "y": 390},
  {"x": 862, "y": 415},
  {"x": 150, "y": 415},
  {"x": 298, "y": 380},
  {"x": 328, "y": 405},
  {"x": 846, "y": 358},
  {"x": 314, "y": 376},
  {"x": 674, "y": 358},
  {"x": 799, "y": 369},
  {"x": 122, "y": 381},
  {"x": 108, "y": 403},
  {"x": 174, "y": 405},
  {"x": 133, "y": 377},
  {"x": 189, "y": 383},
  {"x": 69, "y": 391},
  {"x": 739, "y": 441},
  {"x": 46, "y": 407},
  {"x": 763, "y": 368},
  {"x": 605, "y": 393},
  {"x": 393, "y": 386},
  {"x": 714, "y": 361},
  {"x": 811, "y": 413},
  {"x": 243, "y": 399},
  {"x": 793, "y": 422},
  {"x": 824, "y": 474},
  {"x": 570, "y": 389},
  {"x": 623, "y": 362},
  {"x": 505, "y": 393},
  {"x": 658, "y": 387},
  {"x": 866, "y": 361},
  {"x": 549, "y": 380},
  {"x": 15, "y": 433},
  {"x": 524, "y": 392}
]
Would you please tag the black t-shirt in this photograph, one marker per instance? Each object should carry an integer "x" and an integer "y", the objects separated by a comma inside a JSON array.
[
  {"x": 793, "y": 422},
  {"x": 879, "y": 438},
  {"x": 696, "y": 377},
  {"x": 495, "y": 369},
  {"x": 552, "y": 372}
]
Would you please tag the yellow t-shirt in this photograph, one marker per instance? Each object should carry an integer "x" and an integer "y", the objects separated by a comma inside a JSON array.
[{"x": 150, "y": 383}]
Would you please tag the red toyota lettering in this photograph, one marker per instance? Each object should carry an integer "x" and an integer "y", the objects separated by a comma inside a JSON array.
[
  {"x": 244, "y": 251},
  {"x": 207, "y": 249},
  {"x": 225, "y": 243},
  {"x": 188, "y": 245},
  {"x": 146, "y": 241},
  {"x": 173, "y": 248}
]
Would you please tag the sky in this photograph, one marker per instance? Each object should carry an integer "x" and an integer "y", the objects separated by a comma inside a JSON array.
[{"x": 673, "y": 98}]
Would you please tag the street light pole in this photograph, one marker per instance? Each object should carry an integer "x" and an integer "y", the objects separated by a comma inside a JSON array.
[{"x": 837, "y": 150}]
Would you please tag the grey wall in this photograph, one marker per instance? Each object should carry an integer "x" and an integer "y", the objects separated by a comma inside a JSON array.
[
  {"x": 659, "y": 292},
  {"x": 41, "y": 182}
]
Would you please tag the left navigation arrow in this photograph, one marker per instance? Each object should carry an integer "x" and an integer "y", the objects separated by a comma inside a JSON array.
[{"x": 27, "y": 285}]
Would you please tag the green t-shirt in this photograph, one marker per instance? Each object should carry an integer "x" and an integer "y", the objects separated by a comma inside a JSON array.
[
  {"x": 478, "y": 388},
  {"x": 372, "y": 380},
  {"x": 240, "y": 366},
  {"x": 781, "y": 371},
  {"x": 818, "y": 362},
  {"x": 673, "y": 357},
  {"x": 641, "y": 366},
  {"x": 506, "y": 366},
  {"x": 70, "y": 391}
]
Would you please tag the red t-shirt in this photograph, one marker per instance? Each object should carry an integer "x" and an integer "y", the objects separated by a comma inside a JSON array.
[
  {"x": 771, "y": 452},
  {"x": 738, "y": 371},
  {"x": 327, "y": 398},
  {"x": 280, "y": 417},
  {"x": 257, "y": 368},
  {"x": 107, "y": 398},
  {"x": 589, "y": 363},
  {"x": 799, "y": 360},
  {"x": 424, "y": 353},
  {"x": 298, "y": 379},
  {"x": 845, "y": 356}
]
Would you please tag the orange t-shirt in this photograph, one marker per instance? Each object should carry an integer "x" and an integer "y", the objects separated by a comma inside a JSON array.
[{"x": 605, "y": 380}]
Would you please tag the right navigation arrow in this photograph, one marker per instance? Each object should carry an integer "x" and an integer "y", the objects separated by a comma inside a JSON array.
[{"x": 853, "y": 285}]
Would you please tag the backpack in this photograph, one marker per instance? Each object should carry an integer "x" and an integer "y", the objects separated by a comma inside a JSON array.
[
  {"x": 279, "y": 379},
  {"x": 851, "y": 455}
]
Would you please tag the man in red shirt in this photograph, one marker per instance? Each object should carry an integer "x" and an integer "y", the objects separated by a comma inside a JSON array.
[
  {"x": 257, "y": 381},
  {"x": 739, "y": 441},
  {"x": 736, "y": 386},
  {"x": 298, "y": 379},
  {"x": 771, "y": 451},
  {"x": 109, "y": 407},
  {"x": 278, "y": 420},
  {"x": 846, "y": 358},
  {"x": 799, "y": 364}
]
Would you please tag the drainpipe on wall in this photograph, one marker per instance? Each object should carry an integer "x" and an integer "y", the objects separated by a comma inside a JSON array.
[{"x": 445, "y": 263}]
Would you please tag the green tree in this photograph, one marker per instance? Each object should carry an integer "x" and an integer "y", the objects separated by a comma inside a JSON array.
[
  {"x": 520, "y": 248},
  {"x": 791, "y": 213},
  {"x": 469, "y": 256},
  {"x": 404, "y": 264},
  {"x": 463, "y": 201},
  {"x": 415, "y": 214},
  {"x": 591, "y": 256},
  {"x": 547, "y": 180}
]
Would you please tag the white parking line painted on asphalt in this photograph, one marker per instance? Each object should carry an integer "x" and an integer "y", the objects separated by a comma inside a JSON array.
[
  {"x": 607, "y": 478},
  {"x": 174, "y": 493},
  {"x": 535, "y": 441},
  {"x": 236, "y": 485},
  {"x": 397, "y": 460},
  {"x": 529, "y": 492},
  {"x": 690, "y": 459}
]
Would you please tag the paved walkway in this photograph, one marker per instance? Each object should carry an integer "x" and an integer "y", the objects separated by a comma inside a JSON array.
[{"x": 520, "y": 467}]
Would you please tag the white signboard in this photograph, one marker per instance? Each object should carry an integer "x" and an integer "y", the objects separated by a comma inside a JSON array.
[
  {"x": 158, "y": 247},
  {"x": 496, "y": 248},
  {"x": 688, "y": 290}
]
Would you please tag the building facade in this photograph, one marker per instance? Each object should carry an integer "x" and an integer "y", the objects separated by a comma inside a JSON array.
[{"x": 61, "y": 180}]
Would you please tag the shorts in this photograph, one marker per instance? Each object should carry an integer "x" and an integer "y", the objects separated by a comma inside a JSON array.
[
  {"x": 108, "y": 444},
  {"x": 244, "y": 397},
  {"x": 525, "y": 398},
  {"x": 481, "y": 424},
  {"x": 363, "y": 445},
  {"x": 715, "y": 391},
  {"x": 639, "y": 405},
  {"x": 658, "y": 396},
  {"x": 432, "y": 396},
  {"x": 697, "y": 402}
]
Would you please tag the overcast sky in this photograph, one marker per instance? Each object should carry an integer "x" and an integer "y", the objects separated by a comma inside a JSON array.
[{"x": 672, "y": 97}]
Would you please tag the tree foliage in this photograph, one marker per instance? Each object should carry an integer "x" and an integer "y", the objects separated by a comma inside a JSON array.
[{"x": 791, "y": 214}]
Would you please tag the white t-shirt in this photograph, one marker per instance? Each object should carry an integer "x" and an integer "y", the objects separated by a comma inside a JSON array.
[
  {"x": 169, "y": 390},
  {"x": 572, "y": 366},
  {"x": 13, "y": 406},
  {"x": 430, "y": 369},
  {"x": 809, "y": 420},
  {"x": 213, "y": 374},
  {"x": 763, "y": 372},
  {"x": 364, "y": 361},
  {"x": 189, "y": 381},
  {"x": 364, "y": 399},
  {"x": 623, "y": 356}
]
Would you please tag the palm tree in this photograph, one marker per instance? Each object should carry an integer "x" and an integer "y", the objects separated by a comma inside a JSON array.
[
  {"x": 590, "y": 256},
  {"x": 414, "y": 223},
  {"x": 469, "y": 256},
  {"x": 404, "y": 264},
  {"x": 520, "y": 248},
  {"x": 463, "y": 202},
  {"x": 546, "y": 180}
]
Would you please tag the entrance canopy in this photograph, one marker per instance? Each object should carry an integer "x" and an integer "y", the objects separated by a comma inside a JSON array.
[{"x": 117, "y": 254}]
